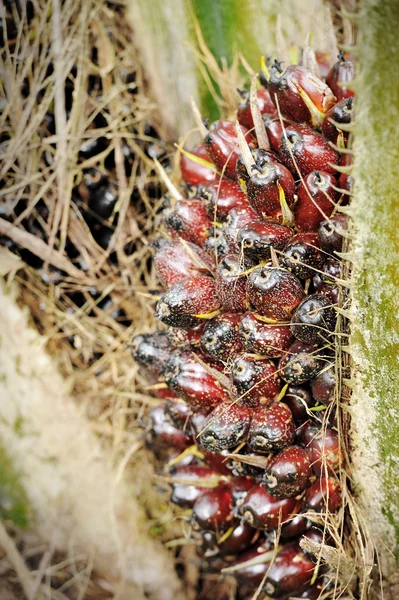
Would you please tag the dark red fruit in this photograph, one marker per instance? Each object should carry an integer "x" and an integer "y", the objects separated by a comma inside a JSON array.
[
  {"x": 216, "y": 244},
  {"x": 346, "y": 183},
  {"x": 179, "y": 413},
  {"x": 184, "y": 494},
  {"x": 303, "y": 149},
  {"x": 288, "y": 474},
  {"x": 291, "y": 571},
  {"x": 257, "y": 238},
  {"x": 221, "y": 338},
  {"x": 185, "y": 338},
  {"x": 239, "y": 468},
  {"x": 274, "y": 292},
  {"x": 266, "y": 187},
  {"x": 234, "y": 222},
  {"x": 300, "y": 95},
  {"x": 316, "y": 200},
  {"x": 163, "y": 433},
  {"x": 263, "y": 511},
  {"x": 340, "y": 113},
  {"x": 230, "y": 286},
  {"x": 240, "y": 486},
  {"x": 314, "y": 320},
  {"x": 299, "y": 400},
  {"x": 192, "y": 382},
  {"x": 324, "y": 64},
  {"x": 260, "y": 156},
  {"x": 189, "y": 297},
  {"x": 189, "y": 220},
  {"x": 325, "y": 283},
  {"x": 302, "y": 255},
  {"x": 268, "y": 340},
  {"x": 225, "y": 427},
  {"x": 294, "y": 527},
  {"x": 222, "y": 197},
  {"x": 255, "y": 383},
  {"x": 194, "y": 173},
  {"x": 253, "y": 574},
  {"x": 274, "y": 131},
  {"x": 265, "y": 104},
  {"x": 173, "y": 262},
  {"x": 300, "y": 364},
  {"x": 331, "y": 233},
  {"x": 325, "y": 452},
  {"x": 323, "y": 386},
  {"x": 313, "y": 535},
  {"x": 241, "y": 538},
  {"x": 324, "y": 494},
  {"x": 272, "y": 429},
  {"x": 306, "y": 432},
  {"x": 221, "y": 144},
  {"x": 340, "y": 77},
  {"x": 213, "y": 509},
  {"x": 151, "y": 350}
]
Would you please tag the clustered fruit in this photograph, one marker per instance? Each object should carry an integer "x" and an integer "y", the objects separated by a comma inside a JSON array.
[{"x": 246, "y": 366}]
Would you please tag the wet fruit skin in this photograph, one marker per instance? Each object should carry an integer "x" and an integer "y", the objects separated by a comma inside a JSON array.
[
  {"x": 178, "y": 413},
  {"x": 257, "y": 238},
  {"x": 163, "y": 433},
  {"x": 221, "y": 144},
  {"x": 230, "y": 287},
  {"x": 340, "y": 113},
  {"x": 225, "y": 427},
  {"x": 339, "y": 78},
  {"x": 288, "y": 474},
  {"x": 325, "y": 283},
  {"x": 234, "y": 222},
  {"x": 286, "y": 87},
  {"x": 186, "y": 338},
  {"x": 274, "y": 131},
  {"x": 221, "y": 338},
  {"x": 263, "y": 189},
  {"x": 184, "y": 494},
  {"x": 260, "y": 156},
  {"x": 294, "y": 527},
  {"x": 189, "y": 297},
  {"x": 290, "y": 572},
  {"x": 272, "y": 429},
  {"x": 253, "y": 575},
  {"x": 213, "y": 509},
  {"x": 310, "y": 150},
  {"x": 173, "y": 263},
  {"x": 316, "y": 200},
  {"x": 254, "y": 383},
  {"x": 331, "y": 233},
  {"x": 302, "y": 255},
  {"x": 218, "y": 461},
  {"x": 222, "y": 197},
  {"x": 151, "y": 350},
  {"x": 263, "y": 511},
  {"x": 265, "y": 104},
  {"x": 313, "y": 322},
  {"x": 298, "y": 399},
  {"x": 268, "y": 340},
  {"x": 189, "y": 220},
  {"x": 194, "y": 173},
  {"x": 325, "y": 453},
  {"x": 323, "y": 386},
  {"x": 274, "y": 292},
  {"x": 300, "y": 364},
  {"x": 241, "y": 538},
  {"x": 322, "y": 494},
  {"x": 193, "y": 384}
]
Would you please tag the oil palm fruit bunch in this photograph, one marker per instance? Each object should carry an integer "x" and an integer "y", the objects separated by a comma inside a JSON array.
[{"x": 245, "y": 368}]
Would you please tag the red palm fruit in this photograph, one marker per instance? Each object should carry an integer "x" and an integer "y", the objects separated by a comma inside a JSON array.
[
  {"x": 323, "y": 494},
  {"x": 313, "y": 322},
  {"x": 225, "y": 427},
  {"x": 324, "y": 64},
  {"x": 263, "y": 511},
  {"x": 340, "y": 77},
  {"x": 221, "y": 338},
  {"x": 240, "y": 486},
  {"x": 300, "y": 95},
  {"x": 239, "y": 468},
  {"x": 241, "y": 538},
  {"x": 325, "y": 452},
  {"x": 316, "y": 198},
  {"x": 346, "y": 182},
  {"x": 193, "y": 383},
  {"x": 218, "y": 461},
  {"x": 268, "y": 340},
  {"x": 179, "y": 413},
  {"x": 299, "y": 400},
  {"x": 221, "y": 144},
  {"x": 163, "y": 433},
  {"x": 274, "y": 292},
  {"x": 274, "y": 131},
  {"x": 254, "y": 382},
  {"x": 189, "y": 220},
  {"x": 265, "y": 104},
  {"x": 195, "y": 295},
  {"x": 325, "y": 283},
  {"x": 234, "y": 222},
  {"x": 291, "y": 572},
  {"x": 222, "y": 197},
  {"x": 194, "y": 173},
  {"x": 265, "y": 187},
  {"x": 331, "y": 233},
  {"x": 300, "y": 364},
  {"x": 151, "y": 350},
  {"x": 294, "y": 527},
  {"x": 303, "y": 149},
  {"x": 260, "y": 156},
  {"x": 216, "y": 244},
  {"x": 185, "y": 338},
  {"x": 272, "y": 429},
  {"x": 302, "y": 255},
  {"x": 323, "y": 386},
  {"x": 164, "y": 393},
  {"x": 173, "y": 262},
  {"x": 184, "y": 494},
  {"x": 252, "y": 575},
  {"x": 213, "y": 509},
  {"x": 306, "y": 432},
  {"x": 340, "y": 113},
  {"x": 230, "y": 287},
  {"x": 314, "y": 535},
  {"x": 197, "y": 422},
  {"x": 288, "y": 474},
  {"x": 257, "y": 238}
]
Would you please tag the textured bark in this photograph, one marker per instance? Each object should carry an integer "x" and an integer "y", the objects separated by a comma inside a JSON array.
[{"x": 375, "y": 331}]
